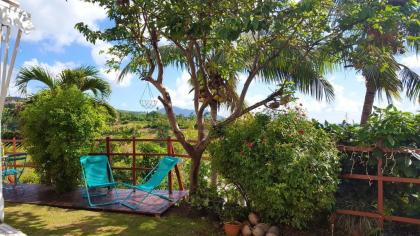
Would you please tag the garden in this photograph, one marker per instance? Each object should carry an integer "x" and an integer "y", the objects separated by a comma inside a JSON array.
[{"x": 75, "y": 165}]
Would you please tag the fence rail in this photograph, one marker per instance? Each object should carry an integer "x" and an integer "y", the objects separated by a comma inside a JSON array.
[
  {"x": 380, "y": 179},
  {"x": 134, "y": 154}
]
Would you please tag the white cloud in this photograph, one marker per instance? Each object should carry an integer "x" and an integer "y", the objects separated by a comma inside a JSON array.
[
  {"x": 99, "y": 53},
  {"x": 347, "y": 104},
  {"x": 55, "y": 68},
  {"x": 100, "y": 57},
  {"x": 54, "y": 21},
  {"x": 112, "y": 77},
  {"x": 360, "y": 78},
  {"x": 180, "y": 94},
  {"x": 412, "y": 61}
]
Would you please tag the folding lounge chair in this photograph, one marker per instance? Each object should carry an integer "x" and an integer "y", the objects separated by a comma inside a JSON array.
[
  {"x": 153, "y": 179},
  {"x": 97, "y": 175},
  {"x": 13, "y": 167}
]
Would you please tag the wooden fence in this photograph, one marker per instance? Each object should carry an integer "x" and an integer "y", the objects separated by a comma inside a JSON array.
[
  {"x": 380, "y": 179},
  {"x": 133, "y": 154},
  {"x": 379, "y": 214}
]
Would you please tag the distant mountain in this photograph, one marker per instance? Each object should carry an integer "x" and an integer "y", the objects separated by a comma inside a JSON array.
[
  {"x": 13, "y": 100},
  {"x": 179, "y": 111}
]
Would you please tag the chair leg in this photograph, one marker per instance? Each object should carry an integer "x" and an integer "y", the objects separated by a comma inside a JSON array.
[
  {"x": 84, "y": 195},
  {"x": 162, "y": 196},
  {"x": 88, "y": 196},
  {"x": 137, "y": 204}
]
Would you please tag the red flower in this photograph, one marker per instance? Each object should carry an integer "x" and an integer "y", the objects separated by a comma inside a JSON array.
[
  {"x": 250, "y": 145},
  {"x": 301, "y": 131}
]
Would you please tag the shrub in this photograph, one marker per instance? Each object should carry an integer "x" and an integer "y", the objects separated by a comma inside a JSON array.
[
  {"x": 58, "y": 127},
  {"x": 285, "y": 168}
]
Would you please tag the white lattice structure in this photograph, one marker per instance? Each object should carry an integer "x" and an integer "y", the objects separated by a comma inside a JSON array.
[{"x": 14, "y": 22}]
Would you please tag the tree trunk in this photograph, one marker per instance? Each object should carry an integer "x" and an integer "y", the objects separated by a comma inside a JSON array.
[
  {"x": 213, "y": 172},
  {"x": 194, "y": 172},
  {"x": 368, "y": 102}
]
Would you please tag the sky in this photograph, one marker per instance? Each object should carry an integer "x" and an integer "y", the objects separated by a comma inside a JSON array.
[{"x": 55, "y": 45}]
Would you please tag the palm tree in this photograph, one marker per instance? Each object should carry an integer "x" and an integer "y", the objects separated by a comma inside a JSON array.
[
  {"x": 391, "y": 33},
  {"x": 388, "y": 77},
  {"x": 86, "y": 78},
  {"x": 384, "y": 75}
]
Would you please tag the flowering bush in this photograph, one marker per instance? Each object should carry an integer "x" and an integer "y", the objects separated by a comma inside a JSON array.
[{"x": 285, "y": 168}]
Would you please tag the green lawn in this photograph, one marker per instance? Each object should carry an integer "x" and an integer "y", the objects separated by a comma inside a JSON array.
[{"x": 42, "y": 220}]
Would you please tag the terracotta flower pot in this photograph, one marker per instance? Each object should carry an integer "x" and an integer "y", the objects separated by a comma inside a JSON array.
[{"x": 232, "y": 228}]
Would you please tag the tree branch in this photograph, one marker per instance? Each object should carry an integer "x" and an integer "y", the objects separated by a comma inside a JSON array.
[
  {"x": 165, "y": 99},
  {"x": 234, "y": 116}
]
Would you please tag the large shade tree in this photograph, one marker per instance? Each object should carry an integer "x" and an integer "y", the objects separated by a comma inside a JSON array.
[
  {"x": 277, "y": 41},
  {"x": 393, "y": 29}
]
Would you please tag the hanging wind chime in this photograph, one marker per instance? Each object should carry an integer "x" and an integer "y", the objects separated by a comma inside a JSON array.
[
  {"x": 147, "y": 100},
  {"x": 14, "y": 22}
]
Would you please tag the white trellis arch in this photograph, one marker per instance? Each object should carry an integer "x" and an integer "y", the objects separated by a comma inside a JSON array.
[{"x": 14, "y": 22}]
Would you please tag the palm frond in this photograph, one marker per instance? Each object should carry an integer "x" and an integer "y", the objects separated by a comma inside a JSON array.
[
  {"x": 293, "y": 65},
  {"x": 110, "y": 109},
  {"x": 98, "y": 86},
  {"x": 411, "y": 83},
  {"x": 86, "y": 78},
  {"x": 384, "y": 72},
  {"x": 172, "y": 56},
  {"x": 34, "y": 73}
]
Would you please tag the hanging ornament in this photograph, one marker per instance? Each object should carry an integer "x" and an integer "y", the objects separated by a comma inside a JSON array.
[{"x": 147, "y": 101}]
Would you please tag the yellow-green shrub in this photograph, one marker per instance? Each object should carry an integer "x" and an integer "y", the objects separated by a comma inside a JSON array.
[{"x": 59, "y": 126}]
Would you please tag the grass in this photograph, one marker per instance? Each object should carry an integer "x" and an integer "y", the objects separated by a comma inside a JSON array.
[{"x": 43, "y": 220}]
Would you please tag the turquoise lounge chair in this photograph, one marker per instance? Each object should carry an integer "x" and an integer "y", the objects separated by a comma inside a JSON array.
[
  {"x": 97, "y": 175},
  {"x": 153, "y": 179},
  {"x": 9, "y": 169}
]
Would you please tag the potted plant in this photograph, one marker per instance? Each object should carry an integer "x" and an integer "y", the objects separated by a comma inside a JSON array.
[{"x": 231, "y": 214}]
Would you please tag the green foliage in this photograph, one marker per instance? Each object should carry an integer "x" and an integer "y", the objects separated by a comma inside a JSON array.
[
  {"x": 207, "y": 198},
  {"x": 285, "y": 168},
  {"x": 344, "y": 133},
  {"x": 222, "y": 201},
  {"x": 393, "y": 129},
  {"x": 10, "y": 118},
  {"x": 386, "y": 126},
  {"x": 59, "y": 126}
]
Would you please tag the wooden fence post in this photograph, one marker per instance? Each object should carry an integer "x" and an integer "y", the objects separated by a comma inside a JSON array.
[
  {"x": 108, "y": 149},
  {"x": 14, "y": 150},
  {"x": 134, "y": 161},
  {"x": 380, "y": 193},
  {"x": 170, "y": 153},
  {"x": 108, "y": 153}
]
